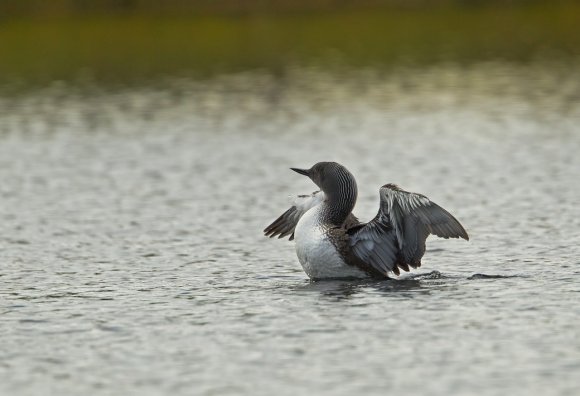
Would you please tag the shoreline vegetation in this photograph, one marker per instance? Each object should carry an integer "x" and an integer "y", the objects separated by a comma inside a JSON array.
[
  {"x": 56, "y": 8},
  {"x": 137, "y": 44}
]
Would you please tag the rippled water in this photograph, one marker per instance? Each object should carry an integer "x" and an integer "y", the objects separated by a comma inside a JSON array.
[{"x": 132, "y": 258}]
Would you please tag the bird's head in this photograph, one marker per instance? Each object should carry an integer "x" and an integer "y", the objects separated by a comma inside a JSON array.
[{"x": 331, "y": 177}]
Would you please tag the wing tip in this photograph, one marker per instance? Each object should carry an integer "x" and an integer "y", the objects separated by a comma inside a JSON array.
[
  {"x": 272, "y": 233},
  {"x": 463, "y": 234},
  {"x": 454, "y": 236}
]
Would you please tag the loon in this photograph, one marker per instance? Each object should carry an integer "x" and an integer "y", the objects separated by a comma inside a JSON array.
[{"x": 331, "y": 243}]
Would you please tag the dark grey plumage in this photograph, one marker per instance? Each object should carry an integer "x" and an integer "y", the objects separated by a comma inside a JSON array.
[
  {"x": 396, "y": 237},
  {"x": 393, "y": 240}
]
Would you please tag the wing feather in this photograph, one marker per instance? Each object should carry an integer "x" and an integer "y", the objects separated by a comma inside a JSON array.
[
  {"x": 286, "y": 223},
  {"x": 396, "y": 237}
]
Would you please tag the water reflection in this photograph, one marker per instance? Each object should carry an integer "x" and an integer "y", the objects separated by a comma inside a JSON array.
[
  {"x": 339, "y": 290},
  {"x": 407, "y": 286},
  {"x": 269, "y": 104}
]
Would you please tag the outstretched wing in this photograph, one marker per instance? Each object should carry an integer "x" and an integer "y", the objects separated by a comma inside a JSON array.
[
  {"x": 286, "y": 223},
  {"x": 396, "y": 237}
]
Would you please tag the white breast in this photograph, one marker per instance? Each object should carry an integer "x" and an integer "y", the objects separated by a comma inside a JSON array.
[{"x": 316, "y": 253}]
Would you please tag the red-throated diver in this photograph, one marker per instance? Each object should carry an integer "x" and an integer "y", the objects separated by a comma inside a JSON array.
[{"x": 331, "y": 243}]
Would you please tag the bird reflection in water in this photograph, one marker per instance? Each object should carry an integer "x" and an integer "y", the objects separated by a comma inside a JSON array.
[{"x": 344, "y": 289}]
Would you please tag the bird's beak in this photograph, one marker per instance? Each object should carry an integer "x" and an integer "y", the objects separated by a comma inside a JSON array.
[{"x": 304, "y": 172}]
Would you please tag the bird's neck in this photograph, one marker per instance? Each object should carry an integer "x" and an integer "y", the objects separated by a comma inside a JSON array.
[{"x": 340, "y": 203}]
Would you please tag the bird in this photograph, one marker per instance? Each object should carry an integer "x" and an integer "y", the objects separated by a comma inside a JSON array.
[{"x": 331, "y": 243}]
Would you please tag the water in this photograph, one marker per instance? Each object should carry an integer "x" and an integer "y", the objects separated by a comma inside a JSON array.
[{"x": 132, "y": 259}]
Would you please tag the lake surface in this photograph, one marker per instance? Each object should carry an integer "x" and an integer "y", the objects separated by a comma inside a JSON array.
[{"x": 132, "y": 260}]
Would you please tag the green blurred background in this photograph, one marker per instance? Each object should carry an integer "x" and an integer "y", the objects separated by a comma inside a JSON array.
[{"x": 132, "y": 42}]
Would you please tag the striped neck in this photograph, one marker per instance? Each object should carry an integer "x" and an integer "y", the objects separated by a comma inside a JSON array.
[{"x": 341, "y": 196}]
